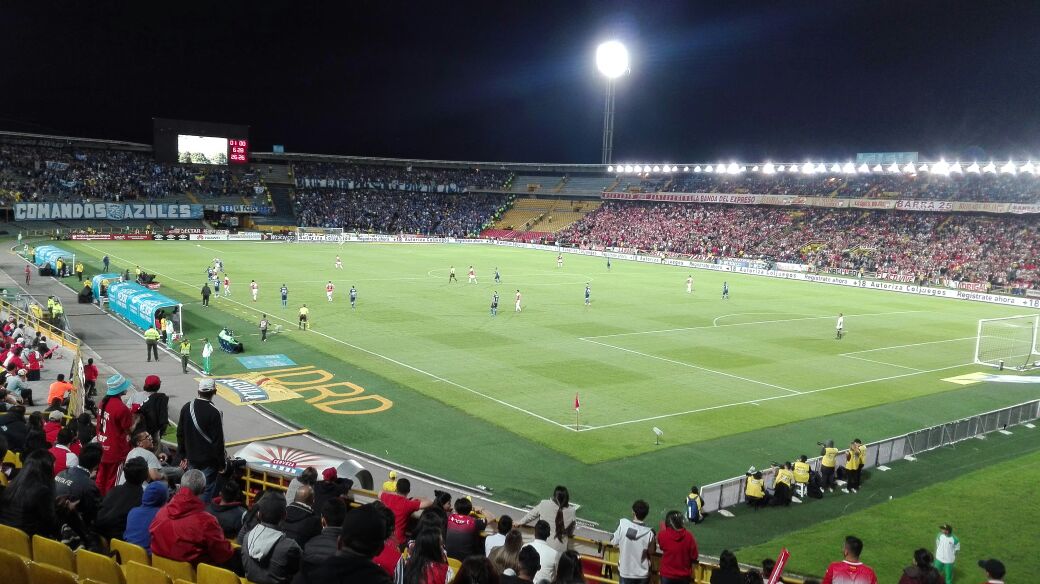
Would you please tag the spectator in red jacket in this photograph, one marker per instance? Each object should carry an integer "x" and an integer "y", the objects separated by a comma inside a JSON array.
[
  {"x": 184, "y": 531},
  {"x": 678, "y": 550},
  {"x": 114, "y": 425},
  {"x": 90, "y": 375},
  {"x": 53, "y": 425}
]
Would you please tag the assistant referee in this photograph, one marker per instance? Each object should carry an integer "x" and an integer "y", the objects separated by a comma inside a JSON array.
[{"x": 304, "y": 311}]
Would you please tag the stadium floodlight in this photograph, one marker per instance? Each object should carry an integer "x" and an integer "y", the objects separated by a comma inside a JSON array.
[
  {"x": 708, "y": 169},
  {"x": 754, "y": 168},
  {"x": 922, "y": 168},
  {"x": 956, "y": 167},
  {"x": 646, "y": 168},
  {"x": 909, "y": 168},
  {"x": 821, "y": 167},
  {"x": 808, "y": 168},
  {"x": 835, "y": 167},
  {"x": 1028, "y": 167},
  {"x": 974, "y": 168},
  {"x": 628, "y": 168},
  {"x": 657, "y": 168},
  {"x": 848, "y": 168},
  {"x": 610, "y": 168},
  {"x": 1008, "y": 168},
  {"x": 990, "y": 168},
  {"x": 733, "y": 168},
  {"x": 768, "y": 168},
  {"x": 863, "y": 168},
  {"x": 675, "y": 168},
  {"x": 893, "y": 167},
  {"x": 792, "y": 168},
  {"x": 612, "y": 62},
  {"x": 877, "y": 168},
  {"x": 941, "y": 168},
  {"x": 686, "y": 169},
  {"x": 696, "y": 169}
]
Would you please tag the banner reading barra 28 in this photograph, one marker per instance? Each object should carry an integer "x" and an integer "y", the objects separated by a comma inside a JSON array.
[{"x": 105, "y": 211}]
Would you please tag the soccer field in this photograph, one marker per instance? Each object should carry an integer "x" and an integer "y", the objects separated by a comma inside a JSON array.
[{"x": 490, "y": 400}]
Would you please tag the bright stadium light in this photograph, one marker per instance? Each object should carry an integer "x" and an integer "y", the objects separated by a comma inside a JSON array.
[
  {"x": 941, "y": 168},
  {"x": 835, "y": 167},
  {"x": 957, "y": 168},
  {"x": 863, "y": 168},
  {"x": 849, "y": 168},
  {"x": 974, "y": 168},
  {"x": 792, "y": 168},
  {"x": 708, "y": 169},
  {"x": 754, "y": 168},
  {"x": 909, "y": 168},
  {"x": 657, "y": 168},
  {"x": 768, "y": 168},
  {"x": 610, "y": 169},
  {"x": 922, "y": 168},
  {"x": 1008, "y": 168},
  {"x": 696, "y": 168},
  {"x": 675, "y": 168},
  {"x": 877, "y": 168},
  {"x": 733, "y": 168},
  {"x": 612, "y": 62},
  {"x": 686, "y": 169},
  {"x": 808, "y": 168},
  {"x": 893, "y": 168},
  {"x": 1028, "y": 167},
  {"x": 990, "y": 168},
  {"x": 646, "y": 168},
  {"x": 628, "y": 168}
]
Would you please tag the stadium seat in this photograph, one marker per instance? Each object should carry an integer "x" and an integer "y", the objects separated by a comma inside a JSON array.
[
  {"x": 181, "y": 581},
  {"x": 208, "y": 574},
  {"x": 455, "y": 565},
  {"x": 47, "y": 574},
  {"x": 145, "y": 574},
  {"x": 97, "y": 567},
  {"x": 14, "y": 567},
  {"x": 174, "y": 569},
  {"x": 15, "y": 541},
  {"x": 53, "y": 553},
  {"x": 128, "y": 552}
]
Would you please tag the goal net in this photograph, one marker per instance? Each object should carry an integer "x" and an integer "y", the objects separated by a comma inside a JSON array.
[
  {"x": 1008, "y": 342},
  {"x": 320, "y": 234}
]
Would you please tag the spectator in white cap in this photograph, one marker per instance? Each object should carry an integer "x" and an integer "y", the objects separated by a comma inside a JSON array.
[{"x": 200, "y": 437}]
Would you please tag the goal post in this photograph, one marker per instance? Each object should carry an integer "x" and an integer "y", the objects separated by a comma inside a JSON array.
[
  {"x": 319, "y": 234},
  {"x": 1009, "y": 342}
]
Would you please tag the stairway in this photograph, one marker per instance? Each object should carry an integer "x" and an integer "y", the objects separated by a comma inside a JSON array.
[{"x": 281, "y": 197}]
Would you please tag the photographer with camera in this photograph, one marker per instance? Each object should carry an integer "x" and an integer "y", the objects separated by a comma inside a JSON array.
[{"x": 200, "y": 437}]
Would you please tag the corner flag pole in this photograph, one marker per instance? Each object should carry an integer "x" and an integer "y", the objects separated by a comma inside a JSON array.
[{"x": 577, "y": 409}]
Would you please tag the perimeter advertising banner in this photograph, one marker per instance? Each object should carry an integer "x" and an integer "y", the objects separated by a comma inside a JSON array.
[
  {"x": 831, "y": 202},
  {"x": 105, "y": 211}
]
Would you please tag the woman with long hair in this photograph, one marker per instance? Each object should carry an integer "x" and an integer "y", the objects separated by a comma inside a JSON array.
[
  {"x": 28, "y": 501},
  {"x": 507, "y": 556},
  {"x": 678, "y": 550},
  {"x": 568, "y": 569},
  {"x": 560, "y": 515},
  {"x": 923, "y": 571},
  {"x": 476, "y": 570},
  {"x": 427, "y": 563},
  {"x": 728, "y": 571}
]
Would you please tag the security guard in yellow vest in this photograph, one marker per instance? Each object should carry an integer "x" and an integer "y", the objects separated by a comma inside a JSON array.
[
  {"x": 802, "y": 473},
  {"x": 57, "y": 311},
  {"x": 151, "y": 342},
  {"x": 185, "y": 353},
  {"x": 79, "y": 271},
  {"x": 857, "y": 457},
  {"x": 830, "y": 454},
  {"x": 755, "y": 491},
  {"x": 782, "y": 485}
]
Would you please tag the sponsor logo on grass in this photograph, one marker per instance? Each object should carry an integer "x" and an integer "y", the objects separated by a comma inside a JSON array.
[
  {"x": 317, "y": 387},
  {"x": 979, "y": 377},
  {"x": 265, "y": 361}
]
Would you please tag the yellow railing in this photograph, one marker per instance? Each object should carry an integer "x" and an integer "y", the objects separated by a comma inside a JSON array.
[{"x": 66, "y": 339}]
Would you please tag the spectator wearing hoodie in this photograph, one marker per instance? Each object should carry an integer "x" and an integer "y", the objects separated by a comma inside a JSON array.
[
  {"x": 301, "y": 523},
  {"x": 112, "y": 517},
  {"x": 269, "y": 555},
  {"x": 362, "y": 537},
  {"x": 14, "y": 428},
  {"x": 634, "y": 540},
  {"x": 229, "y": 508},
  {"x": 140, "y": 518},
  {"x": 154, "y": 412},
  {"x": 52, "y": 426},
  {"x": 184, "y": 532},
  {"x": 63, "y": 456},
  {"x": 76, "y": 483},
  {"x": 678, "y": 550},
  {"x": 324, "y": 545},
  {"x": 331, "y": 486}
]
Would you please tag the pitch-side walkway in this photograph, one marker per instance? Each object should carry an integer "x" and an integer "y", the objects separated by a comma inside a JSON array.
[{"x": 116, "y": 346}]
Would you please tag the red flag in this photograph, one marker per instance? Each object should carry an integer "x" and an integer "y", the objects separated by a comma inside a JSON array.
[
  {"x": 576, "y": 404},
  {"x": 778, "y": 569}
]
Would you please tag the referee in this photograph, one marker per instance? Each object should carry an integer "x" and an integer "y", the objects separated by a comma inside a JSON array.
[{"x": 304, "y": 311}]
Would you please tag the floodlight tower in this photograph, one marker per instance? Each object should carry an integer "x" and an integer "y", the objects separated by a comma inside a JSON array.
[{"x": 612, "y": 62}]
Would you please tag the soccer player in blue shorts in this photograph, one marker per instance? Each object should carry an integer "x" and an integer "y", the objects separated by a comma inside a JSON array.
[
  {"x": 725, "y": 290},
  {"x": 285, "y": 296},
  {"x": 353, "y": 298}
]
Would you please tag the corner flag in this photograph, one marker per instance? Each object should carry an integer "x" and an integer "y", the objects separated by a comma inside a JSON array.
[{"x": 576, "y": 404}]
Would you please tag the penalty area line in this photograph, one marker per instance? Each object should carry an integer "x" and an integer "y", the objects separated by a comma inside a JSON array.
[{"x": 378, "y": 355}]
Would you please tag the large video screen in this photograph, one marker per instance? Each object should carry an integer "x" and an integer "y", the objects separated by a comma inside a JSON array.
[{"x": 201, "y": 149}]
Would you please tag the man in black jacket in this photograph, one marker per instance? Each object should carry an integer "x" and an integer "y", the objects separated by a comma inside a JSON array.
[
  {"x": 323, "y": 546},
  {"x": 301, "y": 523},
  {"x": 111, "y": 519},
  {"x": 200, "y": 437},
  {"x": 76, "y": 484},
  {"x": 364, "y": 531}
]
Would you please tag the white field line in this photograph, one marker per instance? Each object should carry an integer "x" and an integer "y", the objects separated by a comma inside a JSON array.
[
  {"x": 691, "y": 365},
  {"x": 694, "y": 328},
  {"x": 715, "y": 322},
  {"x": 757, "y": 401},
  {"x": 374, "y": 354},
  {"x": 904, "y": 346},
  {"x": 879, "y": 362}
]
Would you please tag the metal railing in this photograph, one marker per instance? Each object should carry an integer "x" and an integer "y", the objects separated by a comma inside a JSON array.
[{"x": 730, "y": 492}]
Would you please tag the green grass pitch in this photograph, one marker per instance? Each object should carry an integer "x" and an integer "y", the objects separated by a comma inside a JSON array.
[{"x": 483, "y": 400}]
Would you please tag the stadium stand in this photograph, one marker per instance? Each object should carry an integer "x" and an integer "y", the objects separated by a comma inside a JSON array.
[{"x": 350, "y": 176}]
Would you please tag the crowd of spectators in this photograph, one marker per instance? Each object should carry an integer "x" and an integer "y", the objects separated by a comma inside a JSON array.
[
  {"x": 41, "y": 173},
  {"x": 1004, "y": 188},
  {"x": 439, "y": 214},
  {"x": 396, "y": 178},
  {"x": 999, "y": 250}
]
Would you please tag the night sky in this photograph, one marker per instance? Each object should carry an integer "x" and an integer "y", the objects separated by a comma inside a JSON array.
[{"x": 516, "y": 81}]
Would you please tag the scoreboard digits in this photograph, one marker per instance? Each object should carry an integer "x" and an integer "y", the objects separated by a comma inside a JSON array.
[{"x": 238, "y": 151}]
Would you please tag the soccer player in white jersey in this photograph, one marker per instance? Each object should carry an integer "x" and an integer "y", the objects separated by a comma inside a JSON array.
[
  {"x": 472, "y": 275},
  {"x": 559, "y": 260},
  {"x": 329, "y": 288},
  {"x": 689, "y": 284},
  {"x": 518, "y": 301},
  {"x": 339, "y": 263},
  {"x": 841, "y": 325},
  {"x": 254, "y": 288}
]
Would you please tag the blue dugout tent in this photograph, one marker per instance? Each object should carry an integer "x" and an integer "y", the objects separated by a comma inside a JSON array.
[{"x": 139, "y": 305}]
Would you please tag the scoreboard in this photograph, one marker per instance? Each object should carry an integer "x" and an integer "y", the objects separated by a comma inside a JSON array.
[{"x": 238, "y": 151}]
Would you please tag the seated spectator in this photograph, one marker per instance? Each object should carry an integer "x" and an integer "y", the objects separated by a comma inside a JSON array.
[
  {"x": 59, "y": 390},
  {"x": 330, "y": 486},
  {"x": 143, "y": 449},
  {"x": 139, "y": 519},
  {"x": 53, "y": 425},
  {"x": 923, "y": 571},
  {"x": 35, "y": 436},
  {"x": 301, "y": 523},
  {"x": 184, "y": 532},
  {"x": 270, "y": 556},
  {"x": 28, "y": 502},
  {"x": 728, "y": 571},
  {"x": 403, "y": 507},
  {"x": 427, "y": 562},
  {"x": 362, "y": 537},
  {"x": 18, "y": 388},
  {"x": 568, "y": 569},
  {"x": 678, "y": 550},
  {"x": 309, "y": 477},
  {"x": 116, "y": 506},
  {"x": 505, "y": 525},
  {"x": 64, "y": 457},
  {"x": 229, "y": 508},
  {"x": 391, "y": 554},
  {"x": 77, "y": 484},
  {"x": 324, "y": 545},
  {"x": 506, "y": 558},
  {"x": 548, "y": 554},
  {"x": 529, "y": 563},
  {"x": 633, "y": 538},
  {"x": 464, "y": 528},
  {"x": 478, "y": 570}
]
